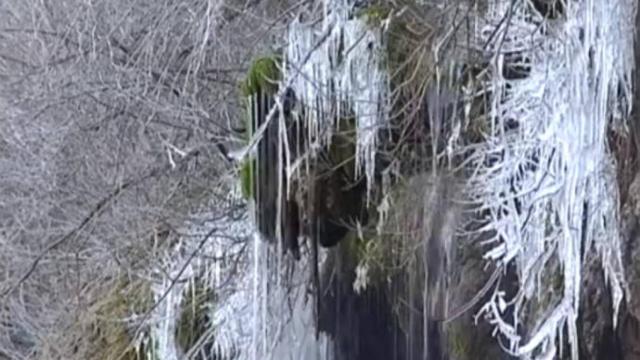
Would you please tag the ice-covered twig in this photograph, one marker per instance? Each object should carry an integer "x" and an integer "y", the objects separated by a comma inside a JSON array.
[{"x": 546, "y": 178}]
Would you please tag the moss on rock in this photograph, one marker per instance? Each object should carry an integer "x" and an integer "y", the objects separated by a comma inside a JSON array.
[
  {"x": 195, "y": 315},
  {"x": 263, "y": 76},
  {"x": 374, "y": 15},
  {"x": 246, "y": 178},
  {"x": 110, "y": 336},
  {"x": 408, "y": 33},
  {"x": 342, "y": 150}
]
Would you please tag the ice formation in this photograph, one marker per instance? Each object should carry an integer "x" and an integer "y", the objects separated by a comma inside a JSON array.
[
  {"x": 546, "y": 173},
  {"x": 337, "y": 70}
]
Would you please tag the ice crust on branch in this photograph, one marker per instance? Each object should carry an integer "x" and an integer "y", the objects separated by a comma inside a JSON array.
[{"x": 550, "y": 188}]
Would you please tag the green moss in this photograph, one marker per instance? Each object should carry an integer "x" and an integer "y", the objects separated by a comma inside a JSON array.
[
  {"x": 459, "y": 343},
  {"x": 408, "y": 55},
  {"x": 246, "y": 178},
  {"x": 371, "y": 250},
  {"x": 355, "y": 247},
  {"x": 195, "y": 314},
  {"x": 374, "y": 15},
  {"x": 110, "y": 337},
  {"x": 468, "y": 342},
  {"x": 262, "y": 76},
  {"x": 343, "y": 146},
  {"x": 381, "y": 251}
]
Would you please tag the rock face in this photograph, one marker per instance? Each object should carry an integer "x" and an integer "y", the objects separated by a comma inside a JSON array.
[
  {"x": 598, "y": 337},
  {"x": 628, "y": 332},
  {"x": 388, "y": 319},
  {"x": 403, "y": 311},
  {"x": 319, "y": 202},
  {"x": 626, "y": 336},
  {"x": 628, "y": 158},
  {"x": 361, "y": 325},
  {"x": 425, "y": 283}
]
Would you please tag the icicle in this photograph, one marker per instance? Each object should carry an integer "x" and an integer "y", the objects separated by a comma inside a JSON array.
[
  {"x": 553, "y": 162},
  {"x": 345, "y": 70}
]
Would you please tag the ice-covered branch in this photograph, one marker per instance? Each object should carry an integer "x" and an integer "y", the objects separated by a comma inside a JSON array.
[{"x": 552, "y": 187}]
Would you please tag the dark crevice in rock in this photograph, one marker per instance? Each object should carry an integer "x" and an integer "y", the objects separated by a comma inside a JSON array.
[
  {"x": 361, "y": 325},
  {"x": 550, "y": 9}
]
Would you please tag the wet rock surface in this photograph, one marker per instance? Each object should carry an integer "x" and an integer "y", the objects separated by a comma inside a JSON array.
[{"x": 371, "y": 324}]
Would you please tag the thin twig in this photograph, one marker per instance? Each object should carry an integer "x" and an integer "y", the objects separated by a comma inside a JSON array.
[{"x": 93, "y": 214}]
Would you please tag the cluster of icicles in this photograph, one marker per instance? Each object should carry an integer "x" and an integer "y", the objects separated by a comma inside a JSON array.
[
  {"x": 553, "y": 193},
  {"x": 340, "y": 63},
  {"x": 550, "y": 191},
  {"x": 186, "y": 273}
]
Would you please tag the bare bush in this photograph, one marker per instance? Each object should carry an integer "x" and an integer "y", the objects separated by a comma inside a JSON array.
[{"x": 112, "y": 119}]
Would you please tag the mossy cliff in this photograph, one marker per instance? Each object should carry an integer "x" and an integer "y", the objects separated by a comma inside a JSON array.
[{"x": 261, "y": 79}]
